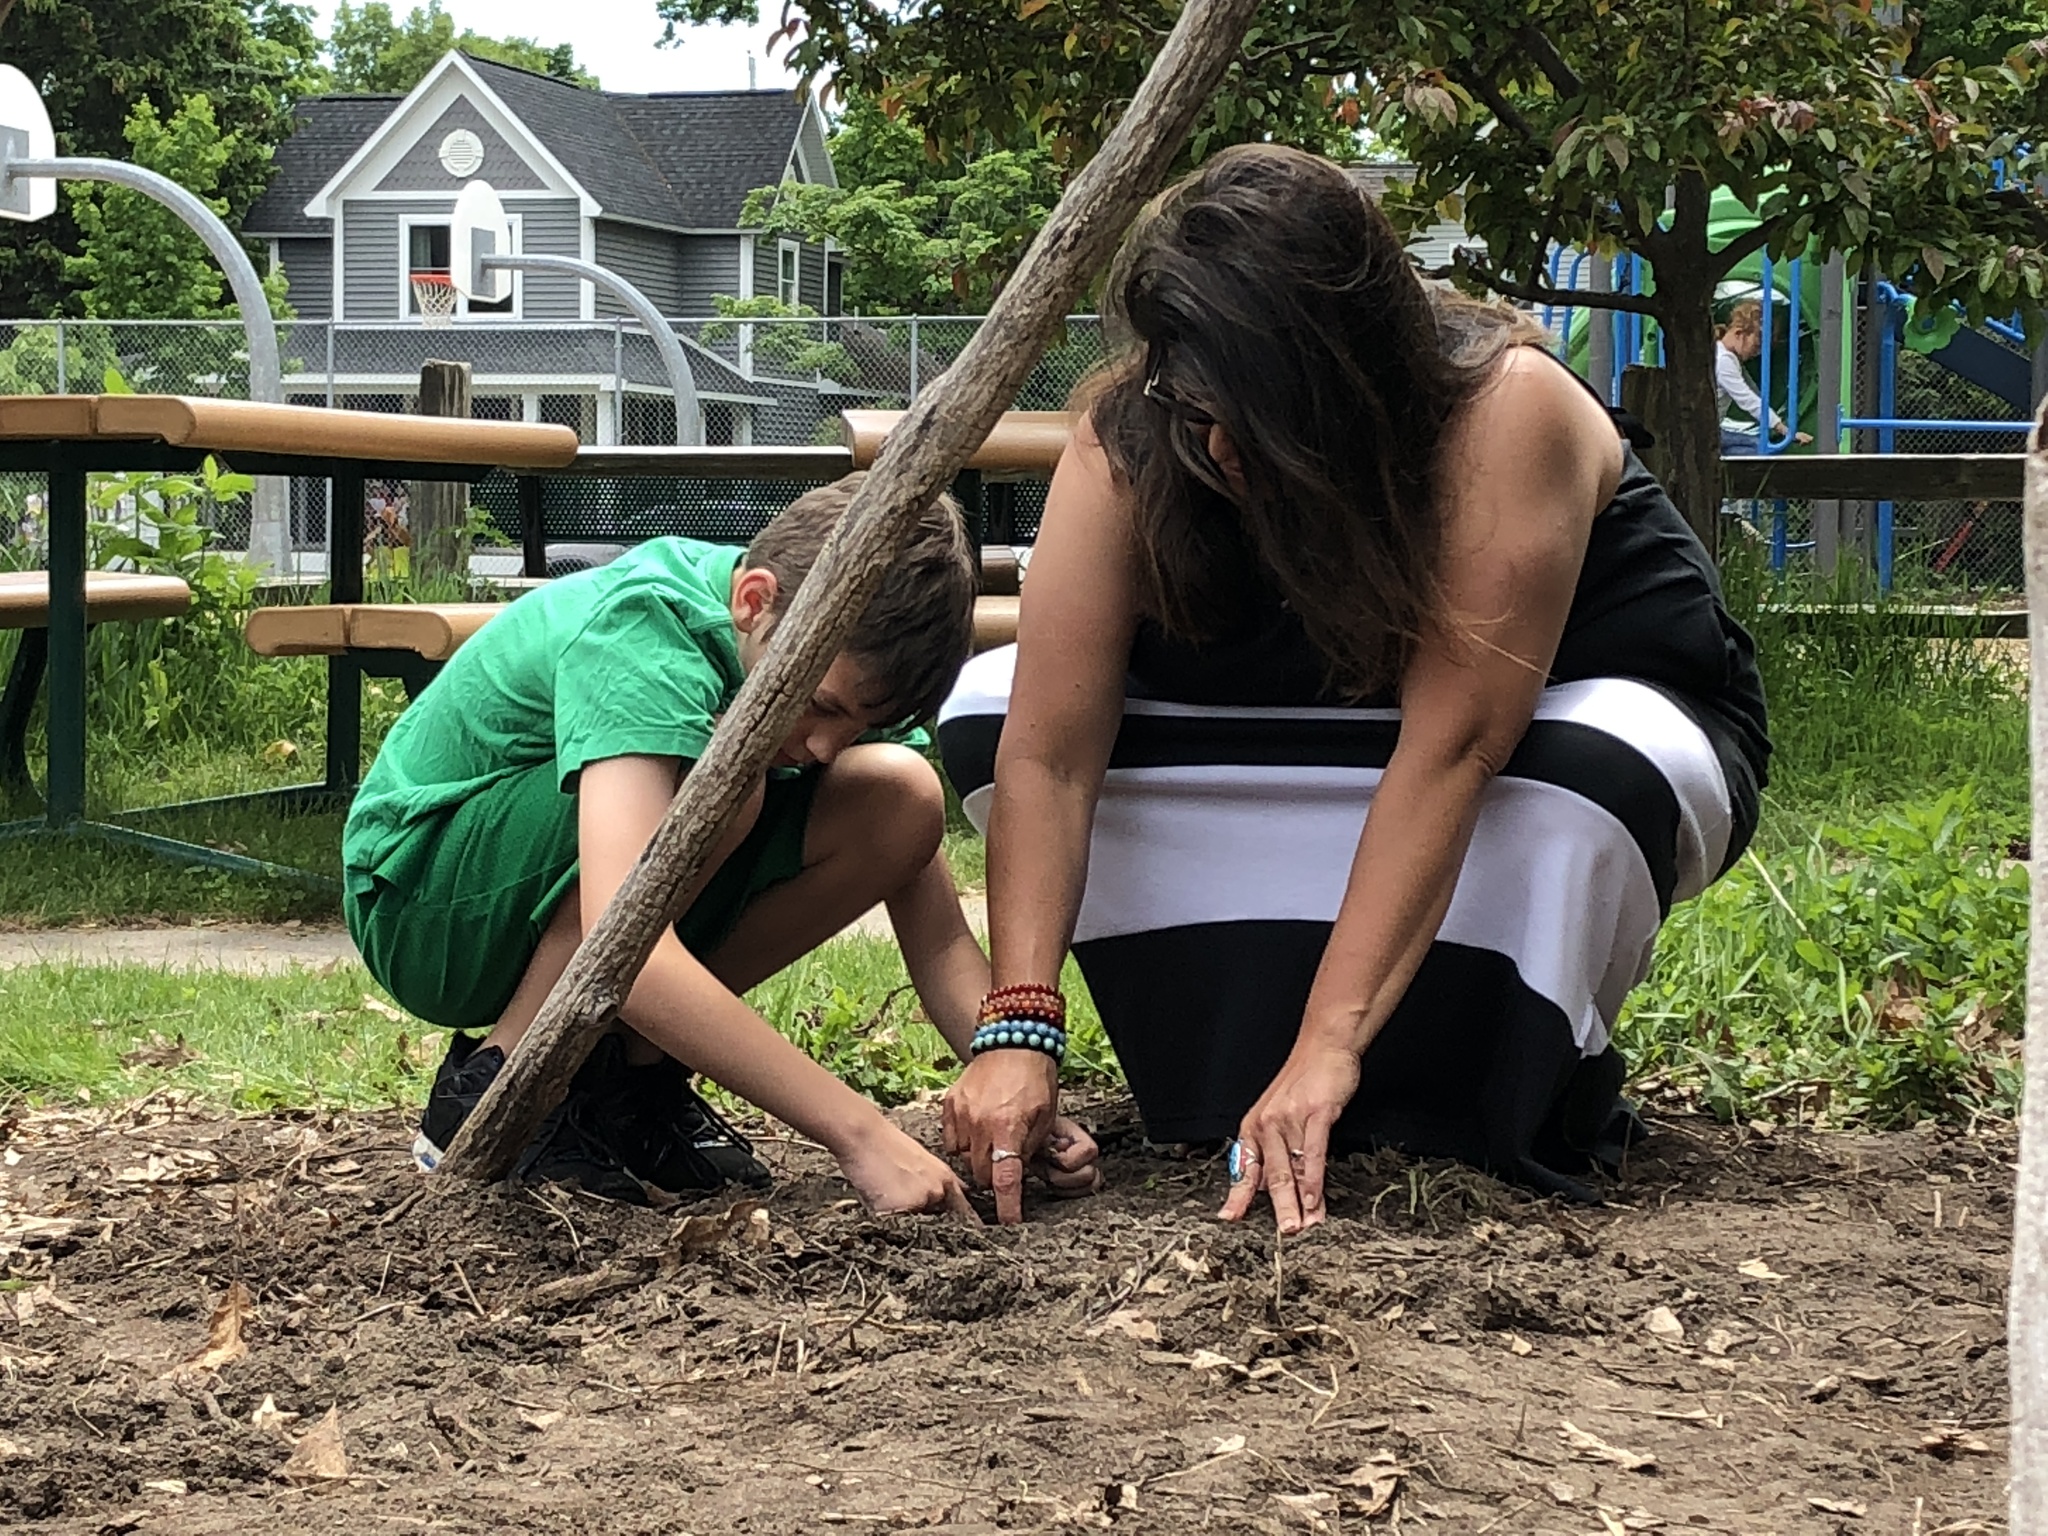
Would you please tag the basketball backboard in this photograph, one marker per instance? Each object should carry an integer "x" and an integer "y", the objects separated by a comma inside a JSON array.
[
  {"x": 25, "y": 134},
  {"x": 478, "y": 229}
]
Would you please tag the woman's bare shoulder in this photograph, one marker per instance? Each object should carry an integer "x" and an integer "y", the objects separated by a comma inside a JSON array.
[{"x": 1533, "y": 432}]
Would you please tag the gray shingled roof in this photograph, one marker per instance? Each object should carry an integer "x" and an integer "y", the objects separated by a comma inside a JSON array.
[
  {"x": 328, "y": 131},
  {"x": 682, "y": 160}
]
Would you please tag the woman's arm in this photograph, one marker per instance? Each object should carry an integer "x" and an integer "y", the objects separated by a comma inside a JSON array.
[
  {"x": 1073, "y": 646},
  {"x": 1536, "y": 461}
]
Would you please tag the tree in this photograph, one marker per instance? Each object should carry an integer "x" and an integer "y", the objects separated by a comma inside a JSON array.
[
  {"x": 95, "y": 61},
  {"x": 371, "y": 51},
  {"x": 140, "y": 260},
  {"x": 1973, "y": 32},
  {"x": 1546, "y": 121},
  {"x": 922, "y": 236}
]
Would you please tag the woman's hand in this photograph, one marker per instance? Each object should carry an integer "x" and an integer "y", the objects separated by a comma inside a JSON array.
[
  {"x": 999, "y": 1114},
  {"x": 1283, "y": 1142},
  {"x": 895, "y": 1175}
]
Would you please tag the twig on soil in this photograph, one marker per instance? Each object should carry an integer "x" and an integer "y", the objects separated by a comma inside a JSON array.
[
  {"x": 468, "y": 1291},
  {"x": 386, "y": 1273},
  {"x": 401, "y": 1208},
  {"x": 1497, "y": 1519},
  {"x": 575, "y": 1242}
]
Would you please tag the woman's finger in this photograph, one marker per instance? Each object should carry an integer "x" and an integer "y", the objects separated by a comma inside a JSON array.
[
  {"x": 959, "y": 1207},
  {"x": 1283, "y": 1169},
  {"x": 1008, "y": 1183},
  {"x": 1245, "y": 1167},
  {"x": 1071, "y": 1149},
  {"x": 1311, "y": 1170},
  {"x": 949, "y": 1127}
]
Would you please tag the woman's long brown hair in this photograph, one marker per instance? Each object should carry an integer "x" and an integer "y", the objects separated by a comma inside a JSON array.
[{"x": 1266, "y": 292}]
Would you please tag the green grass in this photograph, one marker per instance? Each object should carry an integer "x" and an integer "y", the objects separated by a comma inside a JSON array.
[{"x": 304, "y": 1038}]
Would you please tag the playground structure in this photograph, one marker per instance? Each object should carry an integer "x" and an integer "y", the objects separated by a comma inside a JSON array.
[{"x": 1860, "y": 366}]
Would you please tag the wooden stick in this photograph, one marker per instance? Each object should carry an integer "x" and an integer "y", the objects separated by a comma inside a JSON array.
[
  {"x": 2027, "y": 1301},
  {"x": 923, "y": 454}
]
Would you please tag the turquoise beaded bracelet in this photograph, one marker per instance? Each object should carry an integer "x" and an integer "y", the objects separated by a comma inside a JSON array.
[{"x": 1020, "y": 1034}]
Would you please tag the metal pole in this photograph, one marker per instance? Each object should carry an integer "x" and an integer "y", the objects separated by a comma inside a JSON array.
[
  {"x": 689, "y": 416},
  {"x": 63, "y": 383},
  {"x": 1600, "y": 332},
  {"x": 1827, "y": 433},
  {"x": 268, "y": 544},
  {"x": 266, "y": 369},
  {"x": 913, "y": 359}
]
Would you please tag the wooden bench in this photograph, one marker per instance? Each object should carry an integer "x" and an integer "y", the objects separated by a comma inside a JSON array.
[
  {"x": 410, "y": 641},
  {"x": 111, "y": 597},
  {"x": 1023, "y": 445}
]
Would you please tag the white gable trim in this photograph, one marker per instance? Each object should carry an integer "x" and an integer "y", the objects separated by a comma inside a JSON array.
[
  {"x": 447, "y": 81},
  {"x": 825, "y": 175}
]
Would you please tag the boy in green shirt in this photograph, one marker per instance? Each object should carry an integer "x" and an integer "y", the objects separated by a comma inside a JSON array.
[{"x": 511, "y": 799}]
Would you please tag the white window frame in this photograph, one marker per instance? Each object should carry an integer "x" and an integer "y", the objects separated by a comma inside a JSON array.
[
  {"x": 406, "y": 312},
  {"x": 789, "y": 290}
]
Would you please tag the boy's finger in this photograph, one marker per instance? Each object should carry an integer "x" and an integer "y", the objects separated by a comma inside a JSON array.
[
  {"x": 1072, "y": 1155},
  {"x": 1069, "y": 1184},
  {"x": 959, "y": 1207}
]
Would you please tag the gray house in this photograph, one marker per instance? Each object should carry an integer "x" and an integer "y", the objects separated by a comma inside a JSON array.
[{"x": 649, "y": 186}]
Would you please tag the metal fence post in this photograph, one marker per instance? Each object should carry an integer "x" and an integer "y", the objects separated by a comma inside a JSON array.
[
  {"x": 619, "y": 381},
  {"x": 63, "y": 383},
  {"x": 913, "y": 359}
]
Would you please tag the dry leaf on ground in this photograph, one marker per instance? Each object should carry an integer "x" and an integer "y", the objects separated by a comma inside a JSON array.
[
  {"x": 1849, "y": 1507},
  {"x": 167, "y": 1485},
  {"x": 1593, "y": 1448},
  {"x": 745, "y": 1221},
  {"x": 1311, "y": 1507},
  {"x": 1945, "y": 1443},
  {"x": 1719, "y": 1342},
  {"x": 319, "y": 1455},
  {"x": 1664, "y": 1324},
  {"x": 1377, "y": 1482},
  {"x": 1131, "y": 1324},
  {"x": 1757, "y": 1269},
  {"x": 1560, "y": 1491},
  {"x": 272, "y": 1419},
  {"x": 224, "y": 1333}
]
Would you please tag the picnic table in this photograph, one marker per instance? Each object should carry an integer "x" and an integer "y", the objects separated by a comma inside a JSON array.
[{"x": 68, "y": 437}]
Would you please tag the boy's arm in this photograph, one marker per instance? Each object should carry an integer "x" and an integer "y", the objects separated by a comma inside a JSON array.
[{"x": 681, "y": 1007}]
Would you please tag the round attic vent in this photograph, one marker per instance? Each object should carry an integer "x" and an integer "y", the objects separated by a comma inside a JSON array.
[{"x": 462, "y": 153}]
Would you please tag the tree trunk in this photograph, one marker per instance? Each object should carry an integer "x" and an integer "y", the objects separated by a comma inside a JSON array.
[
  {"x": 439, "y": 510},
  {"x": 1693, "y": 456},
  {"x": 2027, "y": 1300}
]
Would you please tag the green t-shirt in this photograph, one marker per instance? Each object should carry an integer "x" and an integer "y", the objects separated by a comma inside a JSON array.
[{"x": 636, "y": 657}]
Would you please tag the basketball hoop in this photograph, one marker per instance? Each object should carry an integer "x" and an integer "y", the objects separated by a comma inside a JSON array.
[{"x": 434, "y": 294}]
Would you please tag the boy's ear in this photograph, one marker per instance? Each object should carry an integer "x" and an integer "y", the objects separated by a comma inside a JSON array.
[{"x": 754, "y": 592}]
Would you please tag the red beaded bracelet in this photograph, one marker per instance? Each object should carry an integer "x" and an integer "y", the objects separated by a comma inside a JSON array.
[{"x": 1028, "y": 999}]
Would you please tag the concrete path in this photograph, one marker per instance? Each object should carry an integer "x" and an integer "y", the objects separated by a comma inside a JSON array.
[{"x": 255, "y": 949}]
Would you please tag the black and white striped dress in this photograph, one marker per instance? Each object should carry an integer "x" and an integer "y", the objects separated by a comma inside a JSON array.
[{"x": 1231, "y": 813}]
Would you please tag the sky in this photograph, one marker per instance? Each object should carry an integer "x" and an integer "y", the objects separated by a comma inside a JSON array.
[{"x": 614, "y": 40}]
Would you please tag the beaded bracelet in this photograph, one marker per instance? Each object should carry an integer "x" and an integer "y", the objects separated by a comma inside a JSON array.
[
  {"x": 1020, "y": 1034},
  {"x": 1027, "y": 999}
]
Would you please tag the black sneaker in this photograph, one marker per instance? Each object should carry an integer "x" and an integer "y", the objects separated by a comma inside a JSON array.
[
  {"x": 668, "y": 1136},
  {"x": 567, "y": 1149}
]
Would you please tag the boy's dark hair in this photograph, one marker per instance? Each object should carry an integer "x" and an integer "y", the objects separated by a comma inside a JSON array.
[{"x": 919, "y": 627}]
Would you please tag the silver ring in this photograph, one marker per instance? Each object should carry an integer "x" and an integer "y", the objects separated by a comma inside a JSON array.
[
  {"x": 1000, "y": 1154},
  {"x": 1296, "y": 1152}
]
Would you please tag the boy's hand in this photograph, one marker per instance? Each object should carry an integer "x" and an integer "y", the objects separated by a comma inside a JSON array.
[
  {"x": 1071, "y": 1163},
  {"x": 895, "y": 1175},
  {"x": 998, "y": 1115}
]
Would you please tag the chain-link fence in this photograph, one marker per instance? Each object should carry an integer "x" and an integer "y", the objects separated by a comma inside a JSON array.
[{"x": 761, "y": 381}]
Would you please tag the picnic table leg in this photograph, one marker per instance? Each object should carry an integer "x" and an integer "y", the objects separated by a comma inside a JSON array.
[
  {"x": 64, "y": 785},
  {"x": 24, "y": 680},
  {"x": 344, "y": 677}
]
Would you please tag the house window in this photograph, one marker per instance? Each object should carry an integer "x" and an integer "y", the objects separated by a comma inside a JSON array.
[
  {"x": 425, "y": 247},
  {"x": 789, "y": 256}
]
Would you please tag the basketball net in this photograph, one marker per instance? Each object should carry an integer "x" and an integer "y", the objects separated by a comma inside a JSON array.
[{"x": 434, "y": 294}]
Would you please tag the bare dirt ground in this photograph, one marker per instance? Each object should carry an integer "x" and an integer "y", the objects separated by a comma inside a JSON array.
[{"x": 214, "y": 1325}]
